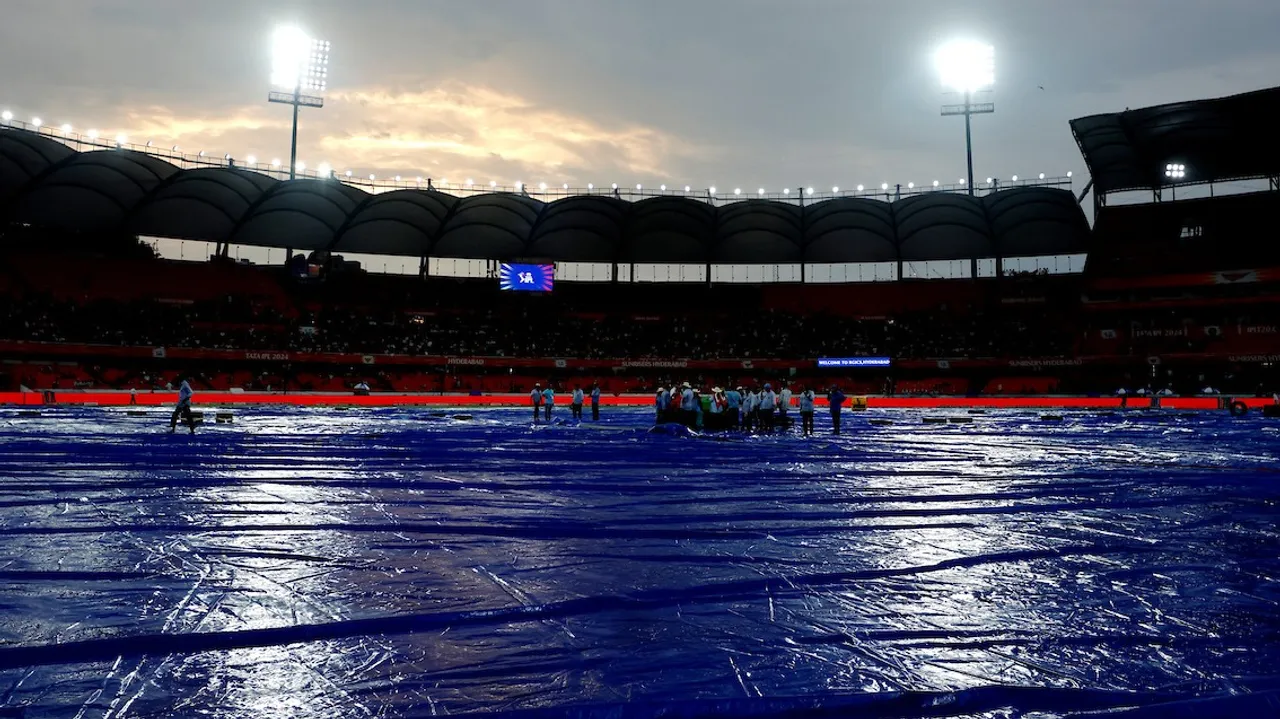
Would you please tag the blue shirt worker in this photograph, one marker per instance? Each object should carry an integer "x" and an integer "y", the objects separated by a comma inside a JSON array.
[
  {"x": 733, "y": 398},
  {"x": 575, "y": 405},
  {"x": 536, "y": 398},
  {"x": 548, "y": 401},
  {"x": 806, "y": 411},
  {"x": 595, "y": 402},
  {"x": 836, "y": 399},
  {"x": 183, "y": 409}
]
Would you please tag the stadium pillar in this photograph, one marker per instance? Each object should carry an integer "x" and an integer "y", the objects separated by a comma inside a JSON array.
[
  {"x": 293, "y": 142},
  {"x": 968, "y": 137}
]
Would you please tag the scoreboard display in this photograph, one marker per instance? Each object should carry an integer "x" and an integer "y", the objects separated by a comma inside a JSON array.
[{"x": 526, "y": 278}]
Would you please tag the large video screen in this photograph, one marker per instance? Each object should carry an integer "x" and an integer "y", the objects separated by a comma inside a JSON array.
[
  {"x": 854, "y": 362},
  {"x": 526, "y": 278}
]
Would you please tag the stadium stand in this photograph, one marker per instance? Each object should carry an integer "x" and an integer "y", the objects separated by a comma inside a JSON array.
[{"x": 1177, "y": 294}]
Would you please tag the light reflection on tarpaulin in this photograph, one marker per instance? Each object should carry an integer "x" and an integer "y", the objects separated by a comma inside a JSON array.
[{"x": 509, "y": 568}]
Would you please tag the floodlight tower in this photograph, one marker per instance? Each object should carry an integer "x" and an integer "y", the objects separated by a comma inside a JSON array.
[
  {"x": 299, "y": 76},
  {"x": 967, "y": 67}
]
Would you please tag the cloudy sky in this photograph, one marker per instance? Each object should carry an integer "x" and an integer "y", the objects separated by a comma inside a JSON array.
[{"x": 749, "y": 93}]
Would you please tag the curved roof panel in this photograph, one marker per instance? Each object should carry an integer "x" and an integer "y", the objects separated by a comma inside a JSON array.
[
  {"x": 493, "y": 226},
  {"x": 24, "y": 156},
  {"x": 401, "y": 222},
  {"x": 47, "y": 184},
  {"x": 103, "y": 186},
  {"x": 1030, "y": 221},
  {"x": 299, "y": 215},
  {"x": 669, "y": 229},
  {"x": 943, "y": 226},
  {"x": 580, "y": 229},
  {"x": 202, "y": 204},
  {"x": 759, "y": 231},
  {"x": 850, "y": 229},
  {"x": 1229, "y": 138}
]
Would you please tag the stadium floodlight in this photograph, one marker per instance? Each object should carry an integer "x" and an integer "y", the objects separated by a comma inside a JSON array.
[
  {"x": 1042, "y": 176},
  {"x": 911, "y": 185},
  {"x": 275, "y": 162},
  {"x": 591, "y": 185},
  {"x": 200, "y": 154},
  {"x": 967, "y": 67},
  {"x": 1175, "y": 171},
  {"x": 663, "y": 188},
  {"x": 121, "y": 139},
  {"x": 713, "y": 189},
  {"x": 93, "y": 134},
  {"x": 492, "y": 183},
  {"x": 324, "y": 169},
  {"x": 251, "y": 160},
  {"x": 615, "y": 185},
  {"x": 372, "y": 177},
  {"x": 639, "y": 187},
  {"x": 737, "y": 190},
  {"x": 935, "y": 183},
  {"x": 990, "y": 180},
  {"x": 963, "y": 181},
  {"x": 542, "y": 186},
  {"x": 174, "y": 148},
  {"x": 66, "y": 128},
  {"x": 884, "y": 185},
  {"x": 810, "y": 190},
  {"x": 760, "y": 191},
  {"x": 469, "y": 182},
  {"x": 349, "y": 173},
  {"x": 302, "y": 166},
  {"x": 786, "y": 191},
  {"x": 226, "y": 157},
  {"x": 300, "y": 74},
  {"x": 36, "y": 122},
  {"x": 861, "y": 187},
  {"x": 1015, "y": 178},
  {"x": 835, "y": 189},
  {"x": 1069, "y": 173},
  {"x": 6, "y": 116}
]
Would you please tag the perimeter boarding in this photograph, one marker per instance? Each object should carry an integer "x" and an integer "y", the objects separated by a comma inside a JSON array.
[{"x": 759, "y": 410}]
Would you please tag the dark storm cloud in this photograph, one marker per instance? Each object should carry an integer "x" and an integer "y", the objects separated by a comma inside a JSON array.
[{"x": 739, "y": 93}]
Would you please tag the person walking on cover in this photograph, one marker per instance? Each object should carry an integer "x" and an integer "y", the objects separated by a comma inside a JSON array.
[
  {"x": 836, "y": 400},
  {"x": 595, "y": 401},
  {"x": 183, "y": 409},
  {"x": 575, "y": 404},
  {"x": 806, "y": 411},
  {"x": 548, "y": 401},
  {"x": 536, "y": 398}
]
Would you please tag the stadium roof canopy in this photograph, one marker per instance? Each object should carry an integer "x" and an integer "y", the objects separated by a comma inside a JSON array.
[
  {"x": 1231, "y": 138},
  {"x": 44, "y": 184}
]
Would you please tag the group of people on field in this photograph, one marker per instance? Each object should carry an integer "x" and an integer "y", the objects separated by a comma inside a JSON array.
[
  {"x": 758, "y": 409},
  {"x": 544, "y": 400}
]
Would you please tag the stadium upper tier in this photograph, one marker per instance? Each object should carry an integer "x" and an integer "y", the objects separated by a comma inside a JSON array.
[
  {"x": 1230, "y": 138},
  {"x": 45, "y": 183}
]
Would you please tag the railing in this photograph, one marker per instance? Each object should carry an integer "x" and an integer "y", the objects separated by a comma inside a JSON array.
[{"x": 546, "y": 193}]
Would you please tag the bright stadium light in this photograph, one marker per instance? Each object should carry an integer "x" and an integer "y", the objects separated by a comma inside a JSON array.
[
  {"x": 1069, "y": 173},
  {"x": 469, "y": 182},
  {"x": 36, "y": 122},
  {"x": 686, "y": 188},
  {"x": 1015, "y": 178},
  {"x": 860, "y": 188},
  {"x": 935, "y": 183},
  {"x": 1175, "y": 171},
  {"x": 200, "y": 154},
  {"x": 565, "y": 186},
  {"x": 348, "y": 173},
  {"x": 911, "y": 185},
  {"x": 737, "y": 190},
  {"x": 542, "y": 186},
  {"x": 519, "y": 185},
  {"x": 372, "y": 177},
  {"x": 299, "y": 74},
  {"x": 663, "y": 188},
  {"x": 810, "y": 190},
  {"x": 251, "y": 160},
  {"x": 884, "y": 185},
  {"x": 6, "y": 116},
  {"x": 591, "y": 185},
  {"x": 275, "y": 162},
  {"x": 967, "y": 67},
  {"x": 713, "y": 189},
  {"x": 835, "y": 189},
  {"x": 93, "y": 134},
  {"x": 492, "y": 183},
  {"x": 1042, "y": 176},
  {"x": 66, "y": 128},
  {"x": 639, "y": 187},
  {"x": 226, "y": 157},
  {"x": 302, "y": 166},
  {"x": 324, "y": 169},
  {"x": 760, "y": 192},
  {"x": 786, "y": 191},
  {"x": 121, "y": 139}
]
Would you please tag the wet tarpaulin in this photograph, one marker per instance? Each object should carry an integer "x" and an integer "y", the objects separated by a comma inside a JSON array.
[{"x": 393, "y": 562}]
